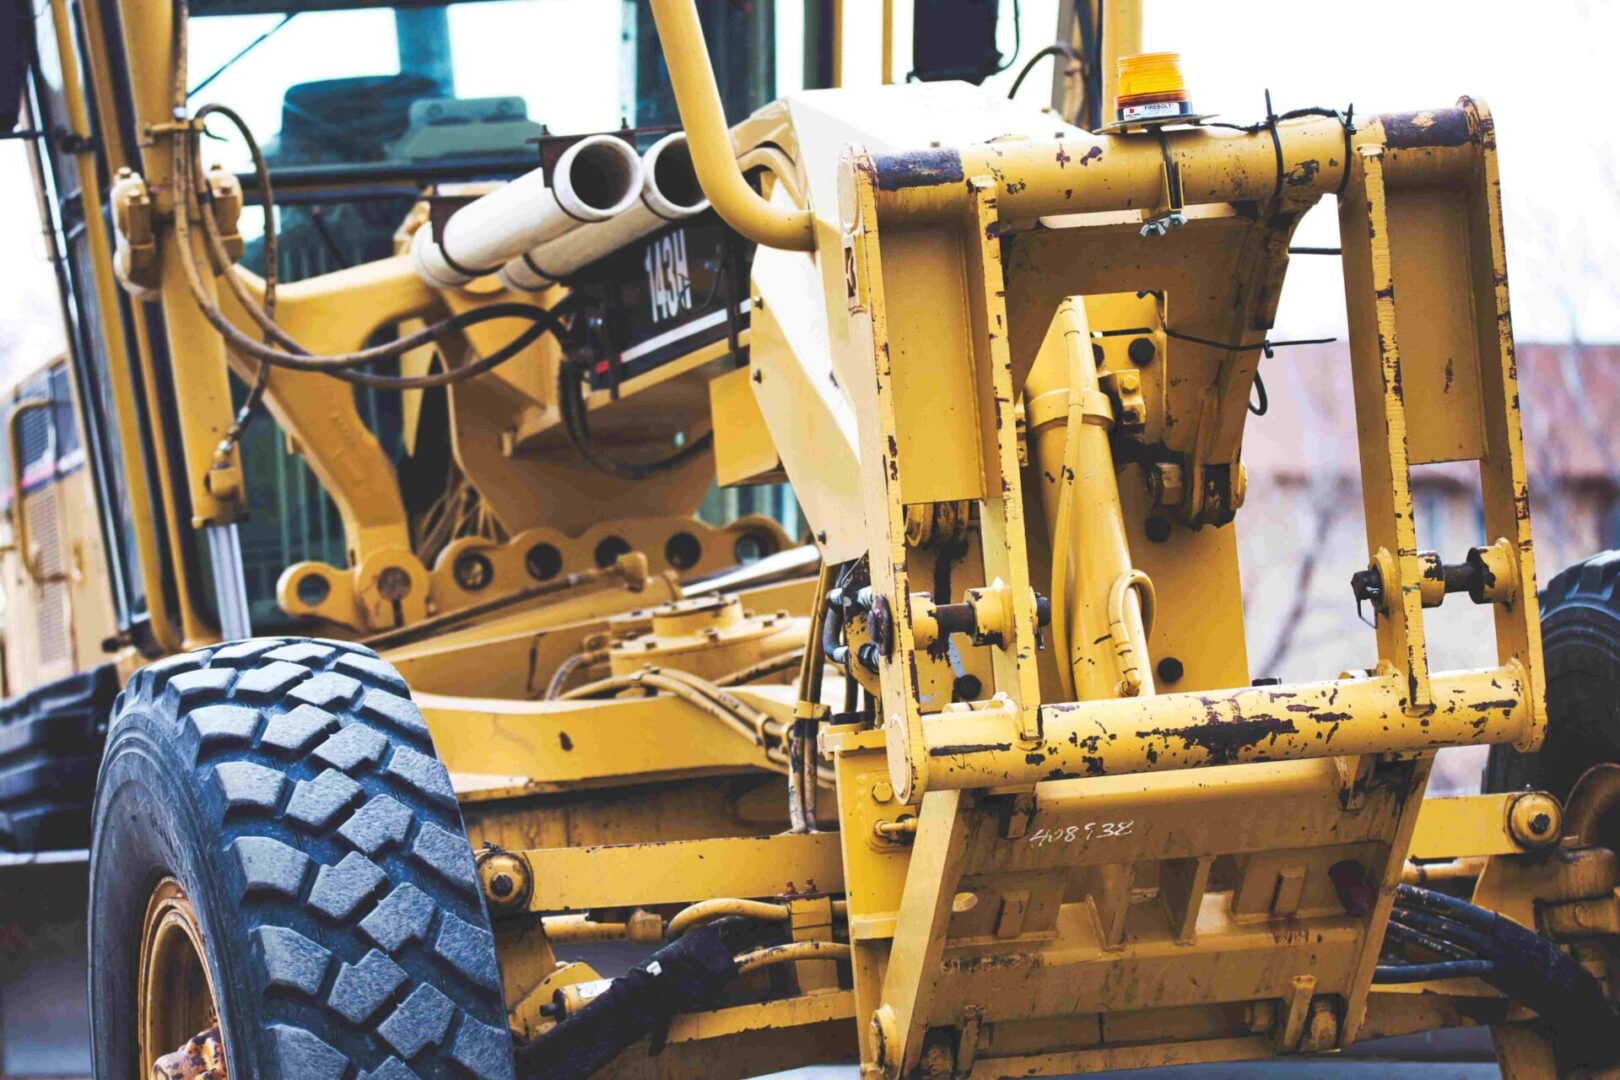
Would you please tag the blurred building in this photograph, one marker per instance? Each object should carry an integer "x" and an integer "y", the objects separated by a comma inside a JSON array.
[{"x": 1301, "y": 531}]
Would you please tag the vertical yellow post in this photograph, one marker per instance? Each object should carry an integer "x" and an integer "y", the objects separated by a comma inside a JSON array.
[
  {"x": 836, "y": 36},
  {"x": 888, "y": 42},
  {"x": 201, "y": 384},
  {"x": 118, "y": 377},
  {"x": 1121, "y": 36}
]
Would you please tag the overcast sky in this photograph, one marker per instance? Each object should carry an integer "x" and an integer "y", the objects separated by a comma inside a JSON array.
[{"x": 1545, "y": 69}]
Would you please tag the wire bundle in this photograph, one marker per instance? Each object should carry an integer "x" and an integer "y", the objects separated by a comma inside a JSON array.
[
  {"x": 279, "y": 349},
  {"x": 1453, "y": 934},
  {"x": 1457, "y": 939}
]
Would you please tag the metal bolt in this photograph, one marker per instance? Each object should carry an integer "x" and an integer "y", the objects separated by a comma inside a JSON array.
[
  {"x": 1368, "y": 585},
  {"x": 1535, "y": 819},
  {"x": 1141, "y": 351},
  {"x": 506, "y": 877},
  {"x": 882, "y": 791},
  {"x": 394, "y": 583}
]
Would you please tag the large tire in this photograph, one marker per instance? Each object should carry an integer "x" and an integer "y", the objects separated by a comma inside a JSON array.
[
  {"x": 292, "y": 790},
  {"x": 1580, "y": 640},
  {"x": 50, "y": 745}
]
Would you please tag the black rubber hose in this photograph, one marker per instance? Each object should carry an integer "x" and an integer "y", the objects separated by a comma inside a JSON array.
[
  {"x": 832, "y": 625},
  {"x": 1449, "y": 969},
  {"x": 686, "y": 974},
  {"x": 1438, "y": 926},
  {"x": 1538, "y": 974},
  {"x": 1445, "y": 904},
  {"x": 1446, "y": 950}
]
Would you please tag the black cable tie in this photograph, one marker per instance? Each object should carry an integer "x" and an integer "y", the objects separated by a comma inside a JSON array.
[
  {"x": 1276, "y": 146},
  {"x": 1264, "y": 346},
  {"x": 1347, "y": 120}
]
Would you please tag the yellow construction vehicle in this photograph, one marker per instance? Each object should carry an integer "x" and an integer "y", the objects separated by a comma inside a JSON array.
[{"x": 439, "y": 682}]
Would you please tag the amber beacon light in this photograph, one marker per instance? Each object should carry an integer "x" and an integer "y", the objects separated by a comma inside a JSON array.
[{"x": 1151, "y": 89}]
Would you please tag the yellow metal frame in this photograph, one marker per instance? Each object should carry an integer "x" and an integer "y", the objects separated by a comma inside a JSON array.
[{"x": 1071, "y": 866}]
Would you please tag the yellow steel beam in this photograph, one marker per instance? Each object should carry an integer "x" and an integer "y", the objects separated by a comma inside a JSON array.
[
  {"x": 914, "y": 975},
  {"x": 788, "y": 1012},
  {"x": 498, "y": 748},
  {"x": 99, "y": 248},
  {"x": 1381, "y": 423},
  {"x": 1044, "y": 176},
  {"x": 336, "y": 313},
  {"x": 1221, "y": 727},
  {"x": 745, "y": 1040},
  {"x": 679, "y": 871},
  {"x": 1456, "y": 827},
  {"x": 199, "y": 383},
  {"x": 1108, "y": 1058}
]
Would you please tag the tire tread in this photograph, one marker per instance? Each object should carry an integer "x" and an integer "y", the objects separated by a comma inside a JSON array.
[
  {"x": 51, "y": 740},
  {"x": 357, "y": 885}
]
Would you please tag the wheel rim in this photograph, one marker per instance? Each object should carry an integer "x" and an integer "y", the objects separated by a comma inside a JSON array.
[{"x": 176, "y": 1008}]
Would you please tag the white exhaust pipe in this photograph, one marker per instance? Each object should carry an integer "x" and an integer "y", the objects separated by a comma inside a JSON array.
[
  {"x": 670, "y": 192},
  {"x": 595, "y": 180}
]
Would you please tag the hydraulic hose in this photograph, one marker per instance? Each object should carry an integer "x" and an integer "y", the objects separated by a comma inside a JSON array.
[
  {"x": 1478, "y": 943},
  {"x": 686, "y": 974},
  {"x": 832, "y": 627},
  {"x": 755, "y": 725},
  {"x": 775, "y": 665},
  {"x": 708, "y": 911},
  {"x": 565, "y": 670},
  {"x": 186, "y": 158},
  {"x": 1447, "y": 969},
  {"x": 272, "y": 266}
]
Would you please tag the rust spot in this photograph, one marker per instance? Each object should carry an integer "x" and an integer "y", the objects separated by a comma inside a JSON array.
[
  {"x": 1225, "y": 740},
  {"x": 1303, "y": 173},
  {"x": 1063, "y": 157},
  {"x": 1436, "y": 127},
  {"x": 1094, "y": 154},
  {"x": 969, "y": 748},
  {"x": 567, "y": 743},
  {"x": 917, "y": 168}
]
